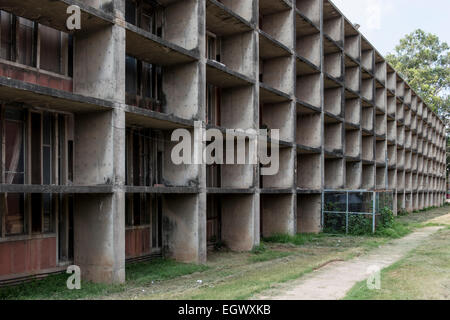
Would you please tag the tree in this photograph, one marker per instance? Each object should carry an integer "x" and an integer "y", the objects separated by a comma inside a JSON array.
[{"x": 424, "y": 62}]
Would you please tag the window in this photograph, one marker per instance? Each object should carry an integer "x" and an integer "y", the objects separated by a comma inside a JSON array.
[
  {"x": 213, "y": 105},
  {"x": 145, "y": 15},
  {"x": 50, "y": 49},
  {"x": 14, "y": 147},
  {"x": 145, "y": 210},
  {"x": 15, "y": 214},
  {"x": 213, "y": 219},
  {"x": 44, "y": 139},
  {"x": 213, "y": 47},
  {"x": 21, "y": 38},
  {"x": 144, "y": 157},
  {"x": 26, "y": 41},
  {"x": 138, "y": 209},
  {"x": 143, "y": 84},
  {"x": 6, "y": 36}
]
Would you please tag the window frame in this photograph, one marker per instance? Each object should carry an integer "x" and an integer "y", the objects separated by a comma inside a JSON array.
[
  {"x": 55, "y": 119},
  {"x": 65, "y": 45}
]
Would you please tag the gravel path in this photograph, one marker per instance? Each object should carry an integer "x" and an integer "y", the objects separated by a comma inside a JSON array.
[{"x": 335, "y": 279}]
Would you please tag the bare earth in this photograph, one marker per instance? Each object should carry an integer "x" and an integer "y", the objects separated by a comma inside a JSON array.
[{"x": 334, "y": 280}]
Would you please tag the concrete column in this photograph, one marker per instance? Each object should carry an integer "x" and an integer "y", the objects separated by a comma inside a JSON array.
[
  {"x": 184, "y": 225},
  {"x": 240, "y": 221},
  {"x": 99, "y": 220}
]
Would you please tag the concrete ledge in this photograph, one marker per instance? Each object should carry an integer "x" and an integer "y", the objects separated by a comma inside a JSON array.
[
  {"x": 270, "y": 48},
  {"x": 148, "y": 47},
  {"x": 277, "y": 191},
  {"x": 301, "y": 149},
  {"x": 230, "y": 191},
  {"x": 223, "y": 77},
  {"x": 306, "y": 14},
  {"x": 223, "y": 21},
  {"x": 23, "y": 188},
  {"x": 152, "y": 119},
  {"x": 162, "y": 190},
  {"x": 273, "y": 6},
  {"x": 268, "y": 94},
  {"x": 18, "y": 91},
  {"x": 52, "y": 13},
  {"x": 305, "y": 67},
  {"x": 304, "y": 107}
]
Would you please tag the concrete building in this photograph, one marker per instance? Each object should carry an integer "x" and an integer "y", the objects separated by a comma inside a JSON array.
[{"x": 86, "y": 118}]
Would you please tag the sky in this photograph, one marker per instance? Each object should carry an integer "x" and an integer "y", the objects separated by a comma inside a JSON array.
[{"x": 385, "y": 22}]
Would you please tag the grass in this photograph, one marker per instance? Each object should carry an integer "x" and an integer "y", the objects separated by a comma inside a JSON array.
[
  {"x": 269, "y": 255},
  {"x": 54, "y": 287},
  {"x": 298, "y": 239},
  {"x": 421, "y": 275}
]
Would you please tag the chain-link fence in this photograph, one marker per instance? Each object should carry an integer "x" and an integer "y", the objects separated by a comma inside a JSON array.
[{"x": 353, "y": 212}]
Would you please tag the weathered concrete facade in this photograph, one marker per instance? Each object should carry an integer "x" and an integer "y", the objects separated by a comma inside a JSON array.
[{"x": 347, "y": 121}]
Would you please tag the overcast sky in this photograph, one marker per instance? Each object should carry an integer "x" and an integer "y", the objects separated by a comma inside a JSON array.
[{"x": 385, "y": 22}]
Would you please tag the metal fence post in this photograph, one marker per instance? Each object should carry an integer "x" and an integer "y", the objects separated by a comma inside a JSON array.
[
  {"x": 346, "y": 213},
  {"x": 374, "y": 211},
  {"x": 323, "y": 209}
]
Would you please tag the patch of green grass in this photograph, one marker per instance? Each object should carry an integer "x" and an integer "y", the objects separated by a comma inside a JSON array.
[
  {"x": 261, "y": 248},
  {"x": 298, "y": 239},
  {"x": 269, "y": 255},
  {"x": 54, "y": 287}
]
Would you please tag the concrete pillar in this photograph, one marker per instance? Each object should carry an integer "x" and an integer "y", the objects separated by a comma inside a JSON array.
[
  {"x": 184, "y": 227},
  {"x": 240, "y": 221},
  {"x": 99, "y": 220},
  {"x": 309, "y": 213}
]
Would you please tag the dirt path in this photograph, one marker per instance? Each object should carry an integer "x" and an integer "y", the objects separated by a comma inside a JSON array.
[{"x": 334, "y": 280}]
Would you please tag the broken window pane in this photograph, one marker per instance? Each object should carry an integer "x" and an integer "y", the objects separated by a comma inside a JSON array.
[
  {"x": 131, "y": 76},
  {"x": 15, "y": 214},
  {"x": 25, "y": 31},
  {"x": 36, "y": 213},
  {"x": 47, "y": 148},
  {"x": 50, "y": 47},
  {"x": 36, "y": 134},
  {"x": 130, "y": 12},
  {"x": 48, "y": 213},
  {"x": 14, "y": 147},
  {"x": 6, "y": 35}
]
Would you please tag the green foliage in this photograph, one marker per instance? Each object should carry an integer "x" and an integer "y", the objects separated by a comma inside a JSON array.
[
  {"x": 390, "y": 227},
  {"x": 359, "y": 225},
  {"x": 424, "y": 61},
  {"x": 387, "y": 218},
  {"x": 261, "y": 248}
]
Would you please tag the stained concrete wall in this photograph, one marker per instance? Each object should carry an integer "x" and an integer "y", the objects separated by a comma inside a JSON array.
[
  {"x": 278, "y": 214},
  {"x": 240, "y": 222},
  {"x": 309, "y": 210},
  {"x": 309, "y": 48},
  {"x": 309, "y": 128},
  {"x": 99, "y": 237},
  {"x": 309, "y": 171},
  {"x": 184, "y": 225}
]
